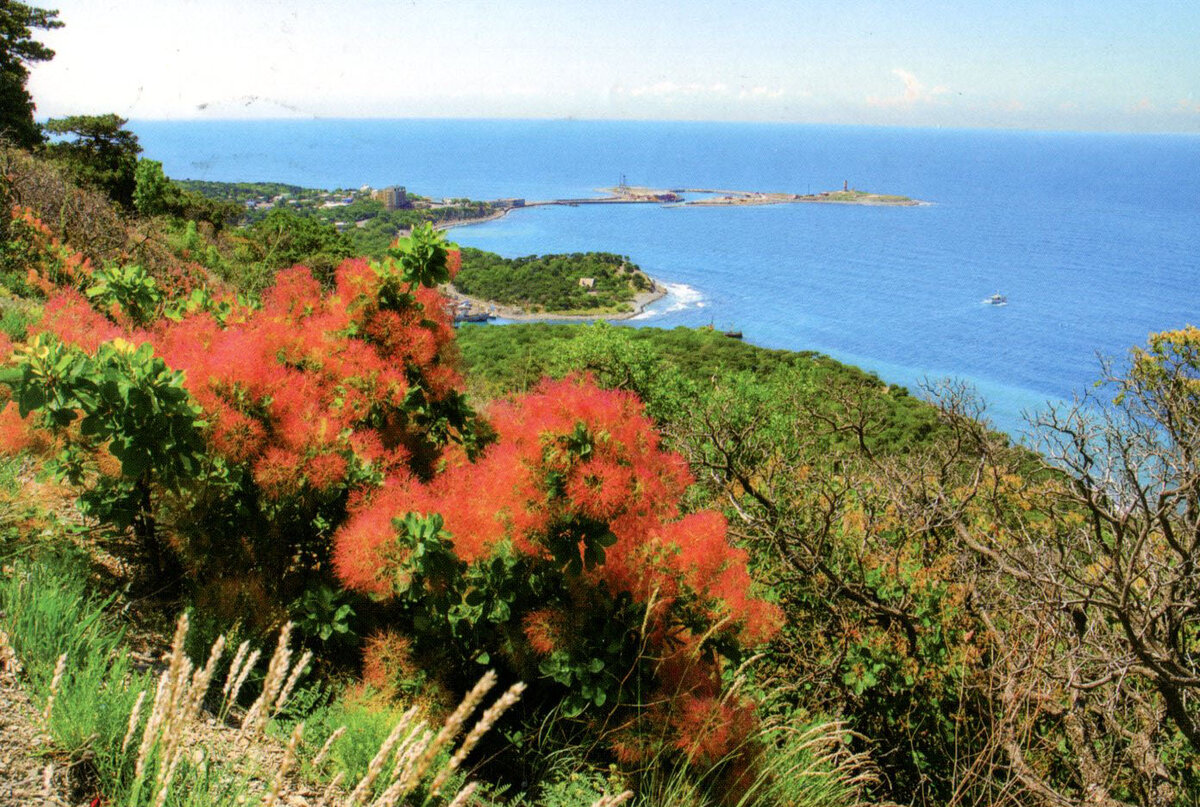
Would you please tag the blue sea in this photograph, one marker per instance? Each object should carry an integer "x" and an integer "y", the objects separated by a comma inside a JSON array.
[{"x": 1094, "y": 239}]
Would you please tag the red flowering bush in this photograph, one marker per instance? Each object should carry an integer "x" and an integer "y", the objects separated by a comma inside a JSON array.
[
  {"x": 34, "y": 260},
  {"x": 557, "y": 550},
  {"x": 562, "y": 554},
  {"x": 316, "y": 395},
  {"x": 300, "y": 402}
]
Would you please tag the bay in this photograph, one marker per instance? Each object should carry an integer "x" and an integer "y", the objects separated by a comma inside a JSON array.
[{"x": 1093, "y": 238}]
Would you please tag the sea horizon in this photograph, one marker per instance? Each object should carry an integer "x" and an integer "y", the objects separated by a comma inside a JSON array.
[{"x": 134, "y": 121}]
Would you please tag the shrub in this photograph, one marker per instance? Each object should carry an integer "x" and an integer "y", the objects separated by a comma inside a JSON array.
[
  {"x": 562, "y": 555},
  {"x": 247, "y": 428}
]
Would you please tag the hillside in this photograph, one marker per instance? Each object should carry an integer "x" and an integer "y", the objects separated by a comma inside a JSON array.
[{"x": 665, "y": 564}]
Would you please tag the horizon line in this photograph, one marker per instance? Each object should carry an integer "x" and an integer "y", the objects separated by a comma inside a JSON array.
[{"x": 695, "y": 121}]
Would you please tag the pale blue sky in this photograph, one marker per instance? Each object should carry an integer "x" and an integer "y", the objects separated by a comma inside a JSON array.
[{"x": 1093, "y": 64}]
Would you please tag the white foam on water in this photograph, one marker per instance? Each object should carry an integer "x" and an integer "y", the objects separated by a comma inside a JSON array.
[{"x": 680, "y": 297}]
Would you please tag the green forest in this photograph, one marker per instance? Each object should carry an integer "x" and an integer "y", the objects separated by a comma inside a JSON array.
[
  {"x": 362, "y": 221},
  {"x": 274, "y": 531},
  {"x": 592, "y": 282}
]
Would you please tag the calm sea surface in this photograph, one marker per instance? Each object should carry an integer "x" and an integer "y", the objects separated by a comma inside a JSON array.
[{"x": 1095, "y": 239}]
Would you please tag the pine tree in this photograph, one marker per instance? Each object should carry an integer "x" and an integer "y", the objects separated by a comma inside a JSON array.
[{"x": 18, "y": 50}]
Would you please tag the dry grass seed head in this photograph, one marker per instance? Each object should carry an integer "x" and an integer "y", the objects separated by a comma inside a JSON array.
[
  {"x": 464, "y": 795},
  {"x": 242, "y": 675},
  {"x": 55, "y": 683},
  {"x": 333, "y": 785},
  {"x": 377, "y": 762},
  {"x": 324, "y": 752},
  {"x": 486, "y": 721},
  {"x": 154, "y": 724},
  {"x": 289, "y": 758},
  {"x": 133, "y": 720},
  {"x": 405, "y": 771},
  {"x": 286, "y": 692},
  {"x": 234, "y": 668},
  {"x": 9, "y": 663},
  {"x": 455, "y": 722},
  {"x": 613, "y": 801},
  {"x": 277, "y": 673}
]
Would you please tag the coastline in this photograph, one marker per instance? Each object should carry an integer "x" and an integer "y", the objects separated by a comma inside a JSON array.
[
  {"x": 641, "y": 301},
  {"x": 625, "y": 194},
  {"x": 629, "y": 195},
  {"x": 497, "y": 213}
]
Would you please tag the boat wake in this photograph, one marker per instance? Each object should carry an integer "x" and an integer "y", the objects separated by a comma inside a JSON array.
[{"x": 680, "y": 297}]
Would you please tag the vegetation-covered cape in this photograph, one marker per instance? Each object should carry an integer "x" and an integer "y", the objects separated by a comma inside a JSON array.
[{"x": 595, "y": 281}]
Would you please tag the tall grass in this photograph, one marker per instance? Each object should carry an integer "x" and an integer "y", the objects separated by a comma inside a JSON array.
[
  {"x": 49, "y": 611},
  {"x": 807, "y": 765},
  {"x": 146, "y": 742}
]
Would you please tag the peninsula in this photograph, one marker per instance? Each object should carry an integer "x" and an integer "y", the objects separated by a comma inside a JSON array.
[
  {"x": 629, "y": 194},
  {"x": 624, "y": 194},
  {"x": 710, "y": 196},
  {"x": 593, "y": 285}
]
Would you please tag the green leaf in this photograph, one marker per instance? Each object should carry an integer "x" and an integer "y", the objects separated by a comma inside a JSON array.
[
  {"x": 133, "y": 463},
  {"x": 29, "y": 399}
]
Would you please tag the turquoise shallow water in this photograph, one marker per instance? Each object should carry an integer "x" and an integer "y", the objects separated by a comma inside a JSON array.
[{"x": 1093, "y": 238}]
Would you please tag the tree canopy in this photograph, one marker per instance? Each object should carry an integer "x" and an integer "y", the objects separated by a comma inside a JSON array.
[
  {"x": 103, "y": 154},
  {"x": 18, "y": 49}
]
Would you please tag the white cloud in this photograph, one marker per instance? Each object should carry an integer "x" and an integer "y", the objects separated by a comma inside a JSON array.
[{"x": 915, "y": 93}]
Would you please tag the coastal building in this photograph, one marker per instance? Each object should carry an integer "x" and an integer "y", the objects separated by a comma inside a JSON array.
[{"x": 393, "y": 198}]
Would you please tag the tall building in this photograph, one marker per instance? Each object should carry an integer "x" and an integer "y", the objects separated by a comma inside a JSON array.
[{"x": 393, "y": 198}]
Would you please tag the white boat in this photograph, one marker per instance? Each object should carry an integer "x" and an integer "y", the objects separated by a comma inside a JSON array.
[{"x": 997, "y": 299}]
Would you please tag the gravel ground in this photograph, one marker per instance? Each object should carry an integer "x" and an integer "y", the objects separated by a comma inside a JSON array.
[{"x": 28, "y": 776}]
